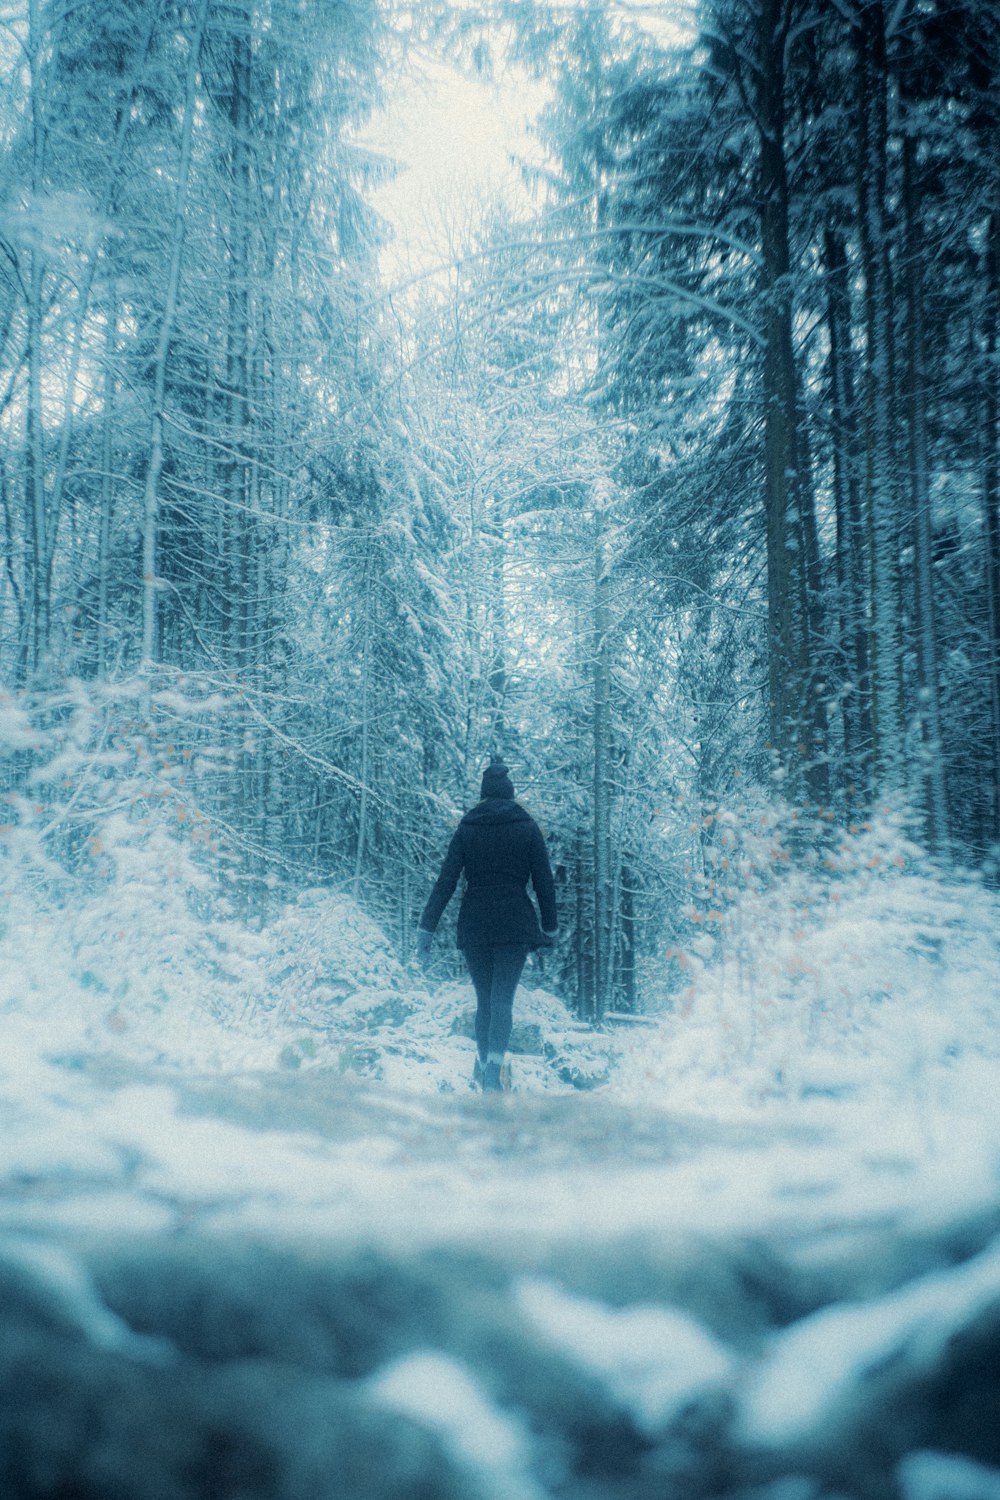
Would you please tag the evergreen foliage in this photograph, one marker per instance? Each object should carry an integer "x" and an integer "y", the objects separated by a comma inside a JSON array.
[{"x": 683, "y": 489}]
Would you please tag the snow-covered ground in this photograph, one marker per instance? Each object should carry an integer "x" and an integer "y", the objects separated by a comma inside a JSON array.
[{"x": 259, "y": 1238}]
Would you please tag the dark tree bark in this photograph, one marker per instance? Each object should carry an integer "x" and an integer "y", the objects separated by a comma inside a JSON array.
[
  {"x": 882, "y": 467},
  {"x": 934, "y": 796},
  {"x": 798, "y": 727},
  {"x": 855, "y": 685},
  {"x": 991, "y": 501},
  {"x": 604, "y": 918}
]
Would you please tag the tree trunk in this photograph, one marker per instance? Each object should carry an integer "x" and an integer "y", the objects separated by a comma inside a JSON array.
[
  {"x": 36, "y": 607},
  {"x": 601, "y": 668},
  {"x": 583, "y": 840},
  {"x": 36, "y": 614},
  {"x": 991, "y": 506},
  {"x": 106, "y": 206},
  {"x": 629, "y": 992},
  {"x": 882, "y": 507},
  {"x": 237, "y": 469},
  {"x": 107, "y": 484},
  {"x": 154, "y": 466},
  {"x": 497, "y": 676},
  {"x": 797, "y": 714},
  {"x": 584, "y": 920},
  {"x": 241, "y": 604},
  {"x": 365, "y": 771},
  {"x": 855, "y": 690},
  {"x": 9, "y": 552},
  {"x": 932, "y": 771}
]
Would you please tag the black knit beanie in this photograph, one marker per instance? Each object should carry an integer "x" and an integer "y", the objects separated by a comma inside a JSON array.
[{"x": 496, "y": 781}]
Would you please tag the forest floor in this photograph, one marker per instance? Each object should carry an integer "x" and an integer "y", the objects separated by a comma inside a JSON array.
[
  {"x": 320, "y": 1150},
  {"x": 259, "y": 1240},
  {"x": 298, "y": 1283}
]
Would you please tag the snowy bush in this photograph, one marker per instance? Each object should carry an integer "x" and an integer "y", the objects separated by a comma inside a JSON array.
[
  {"x": 124, "y": 927},
  {"x": 324, "y": 953},
  {"x": 825, "y": 963},
  {"x": 118, "y": 928}
]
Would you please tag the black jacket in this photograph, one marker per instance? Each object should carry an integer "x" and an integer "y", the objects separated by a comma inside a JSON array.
[{"x": 499, "y": 846}]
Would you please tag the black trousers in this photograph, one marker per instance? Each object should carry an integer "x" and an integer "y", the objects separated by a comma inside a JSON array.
[{"x": 495, "y": 973}]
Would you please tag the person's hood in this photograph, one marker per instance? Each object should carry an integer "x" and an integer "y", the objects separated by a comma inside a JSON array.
[{"x": 494, "y": 810}]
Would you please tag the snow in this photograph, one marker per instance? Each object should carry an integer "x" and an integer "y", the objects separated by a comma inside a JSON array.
[
  {"x": 66, "y": 1295},
  {"x": 654, "y": 1360},
  {"x": 859, "y": 1014},
  {"x": 770, "y": 1206},
  {"x": 823, "y": 1357},
  {"x": 946, "y": 1476},
  {"x": 439, "y": 1393},
  {"x": 16, "y": 730}
]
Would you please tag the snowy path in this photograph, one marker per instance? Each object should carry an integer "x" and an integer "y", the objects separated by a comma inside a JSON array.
[
  {"x": 301, "y": 1285},
  {"x": 318, "y": 1152},
  {"x": 258, "y": 1241},
  {"x": 286, "y": 1147}
]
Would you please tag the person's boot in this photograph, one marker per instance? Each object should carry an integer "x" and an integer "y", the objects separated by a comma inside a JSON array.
[
  {"x": 491, "y": 1079},
  {"x": 478, "y": 1069}
]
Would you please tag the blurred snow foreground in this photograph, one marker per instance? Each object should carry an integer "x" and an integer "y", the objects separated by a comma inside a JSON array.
[{"x": 258, "y": 1238}]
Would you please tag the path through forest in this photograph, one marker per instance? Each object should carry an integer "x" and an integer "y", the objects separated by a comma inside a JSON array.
[{"x": 304, "y": 1285}]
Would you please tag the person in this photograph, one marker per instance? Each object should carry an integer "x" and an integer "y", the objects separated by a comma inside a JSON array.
[{"x": 499, "y": 846}]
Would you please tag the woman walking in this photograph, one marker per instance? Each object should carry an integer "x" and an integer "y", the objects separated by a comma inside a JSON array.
[{"x": 499, "y": 846}]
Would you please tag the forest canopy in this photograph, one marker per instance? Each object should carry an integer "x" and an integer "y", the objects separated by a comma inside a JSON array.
[{"x": 680, "y": 490}]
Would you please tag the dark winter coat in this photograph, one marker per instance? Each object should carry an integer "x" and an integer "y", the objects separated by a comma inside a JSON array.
[{"x": 499, "y": 846}]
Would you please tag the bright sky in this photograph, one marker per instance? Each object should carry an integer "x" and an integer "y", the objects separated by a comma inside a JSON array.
[{"x": 454, "y": 139}]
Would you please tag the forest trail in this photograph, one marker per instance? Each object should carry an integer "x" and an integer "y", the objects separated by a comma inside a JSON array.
[
  {"x": 673, "y": 475},
  {"x": 279, "y": 1286},
  {"x": 394, "y": 1154},
  {"x": 527, "y": 1131}
]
